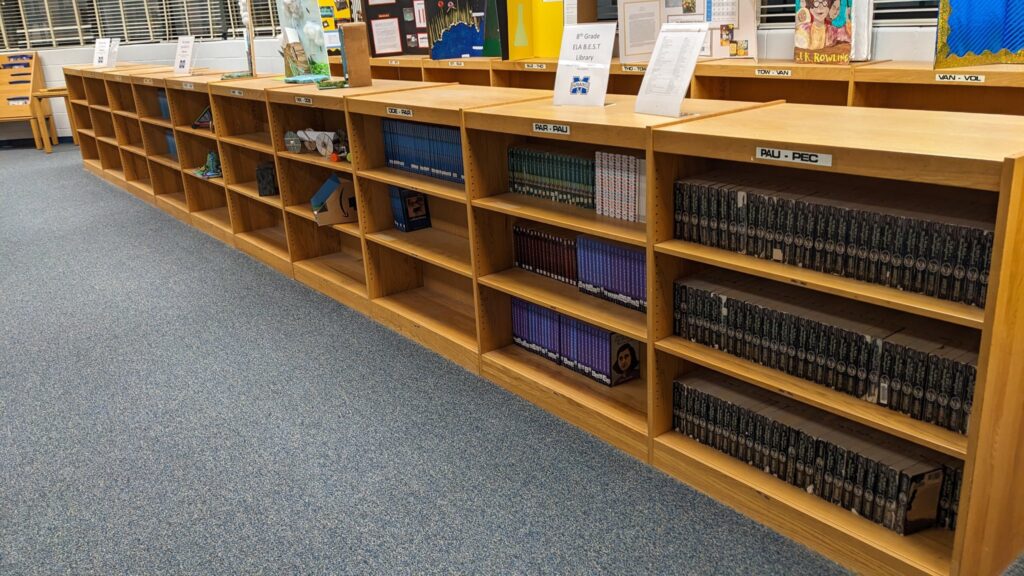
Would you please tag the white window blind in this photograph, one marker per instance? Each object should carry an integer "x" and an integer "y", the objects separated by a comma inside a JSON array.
[
  {"x": 41, "y": 24},
  {"x": 780, "y": 13}
]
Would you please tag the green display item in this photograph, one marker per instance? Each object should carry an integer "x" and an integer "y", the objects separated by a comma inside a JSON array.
[
  {"x": 331, "y": 84},
  {"x": 236, "y": 75},
  {"x": 306, "y": 79}
]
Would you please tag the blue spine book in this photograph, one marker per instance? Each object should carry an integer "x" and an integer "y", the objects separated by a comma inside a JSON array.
[
  {"x": 396, "y": 208},
  {"x": 389, "y": 155}
]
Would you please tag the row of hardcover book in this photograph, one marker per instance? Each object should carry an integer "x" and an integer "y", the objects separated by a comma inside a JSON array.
[
  {"x": 426, "y": 149},
  {"x": 603, "y": 356},
  {"x": 600, "y": 268},
  {"x": 923, "y": 368},
  {"x": 889, "y": 481},
  {"x": 613, "y": 185},
  {"x": 921, "y": 239}
]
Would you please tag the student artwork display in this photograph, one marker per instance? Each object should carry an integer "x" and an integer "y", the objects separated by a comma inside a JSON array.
[
  {"x": 398, "y": 27},
  {"x": 302, "y": 38},
  {"x": 732, "y": 25},
  {"x": 455, "y": 28},
  {"x": 824, "y": 31},
  {"x": 975, "y": 32}
]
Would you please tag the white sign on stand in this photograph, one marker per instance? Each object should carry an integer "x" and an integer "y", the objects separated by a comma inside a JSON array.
[
  {"x": 671, "y": 68},
  {"x": 115, "y": 48},
  {"x": 183, "y": 55},
  {"x": 583, "y": 64},
  {"x": 101, "y": 52}
]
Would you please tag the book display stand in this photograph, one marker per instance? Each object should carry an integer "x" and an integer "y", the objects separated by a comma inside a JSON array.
[{"x": 437, "y": 155}]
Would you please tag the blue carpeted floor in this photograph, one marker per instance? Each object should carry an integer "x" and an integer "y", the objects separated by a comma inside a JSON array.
[{"x": 168, "y": 405}]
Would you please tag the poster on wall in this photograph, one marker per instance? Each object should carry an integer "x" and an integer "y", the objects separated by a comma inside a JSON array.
[
  {"x": 334, "y": 13},
  {"x": 455, "y": 28},
  {"x": 824, "y": 32},
  {"x": 976, "y": 32},
  {"x": 732, "y": 25},
  {"x": 397, "y": 27},
  {"x": 302, "y": 38}
]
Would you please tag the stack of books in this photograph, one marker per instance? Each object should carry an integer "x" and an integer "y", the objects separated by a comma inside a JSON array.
[
  {"x": 545, "y": 250},
  {"x": 920, "y": 367},
  {"x": 916, "y": 238},
  {"x": 889, "y": 481},
  {"x": 598, "y": 354},
  {"x": 426, "y": 149},
  {"x": 552, "y": 173},
  {"x": 600, "y": 268},
  {"x": 611, "y": 184}
]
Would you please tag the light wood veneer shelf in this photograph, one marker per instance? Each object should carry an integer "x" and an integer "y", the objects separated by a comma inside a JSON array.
[
  {"x": 567, "y": 299},
  {"x": 571, "y": 217},
  {"x": 864, "y": 545},
  {"x": 449, "y": 287},
  {"x": 954, "y": 312},
  {"x": 432, "y": 186},
  {"x": 431, "y": 245},
  {"x": 849, "y": 407},
  {"x": 587, "y": 404}
]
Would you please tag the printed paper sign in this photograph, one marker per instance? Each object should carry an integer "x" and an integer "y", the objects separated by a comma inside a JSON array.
[
  {"x": 115, "y": 48},
  {"x": 640, "y": 22},
  {"x": 101, "y": 52},
  {"x": 583, "y": 64},
  {"x": 183, "y": 55},
  {"x": 671, "y": 68}
]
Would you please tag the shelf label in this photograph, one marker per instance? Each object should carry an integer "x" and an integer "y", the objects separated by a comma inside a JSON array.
[
  {"x": 399, "y": 111},
  {"x": 544, "y": 128},
  {"x": 147, "y": 81},
  {"x": 237, "y": 92},
  {"x": 393, "y": 62},
  {"x": 188, "y": 86},
  {"x": 634, "y": 68},
  {"x": 535, "y": 66},
  {"x": 456, "y": 64},
  {"x": 770, "y": 72},
  {"x": 970, "y": 78},
  {"x": 303, "y": 100},
  {"x": 795, "y": 156}
]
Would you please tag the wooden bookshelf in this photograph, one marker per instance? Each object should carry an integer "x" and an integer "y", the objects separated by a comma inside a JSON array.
[
  {"x": 474, "y": 71},
  {"x": 240, "y": 112},
  {"x": 450, "y": 287},
  {"x": 208, "y": 206},
  {"x": 442, "y": 253},
  {"x": 402, "y": 67},
  {"x": 766, "y": 80},
  {"x": 995, "y": 89},
  {"x": 933, "y": 148},
  {"x": 860, "y": 544},
  {"x": 21, "y": 76},
  {"x": 328, "y": 260},
  {"x": 494, "y": 211}
]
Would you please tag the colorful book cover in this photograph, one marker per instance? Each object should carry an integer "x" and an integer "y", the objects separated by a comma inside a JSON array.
[
  {"x": 977, "y": 32},
  {"x": 398, "y": 27},
  {"x": 824, "y": 31},
  {"x": 455, "y": 28}
]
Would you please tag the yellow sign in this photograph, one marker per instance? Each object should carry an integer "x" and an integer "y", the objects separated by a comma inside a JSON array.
[{"x": 334, "y": 11}]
